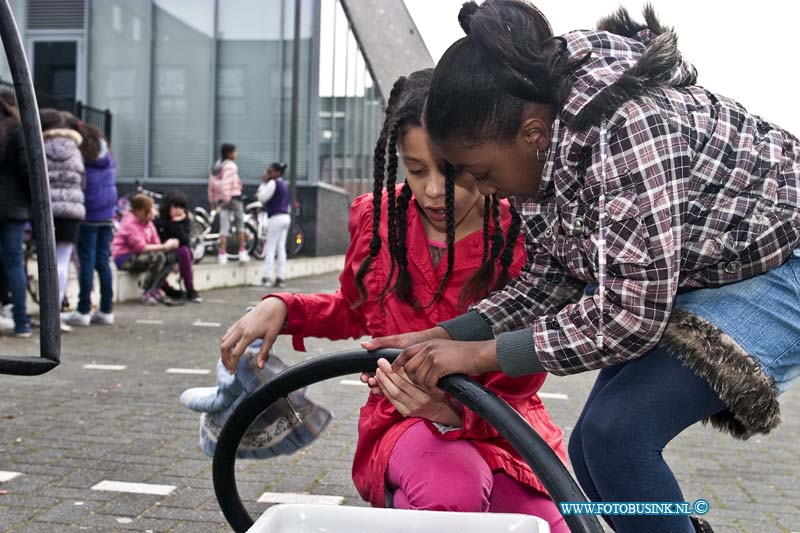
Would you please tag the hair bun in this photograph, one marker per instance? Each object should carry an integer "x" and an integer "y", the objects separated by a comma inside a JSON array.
[{"x": 464, "y": 16}]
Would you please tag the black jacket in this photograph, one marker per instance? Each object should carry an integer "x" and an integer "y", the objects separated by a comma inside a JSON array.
[
  {"x": 168, "y": 229},
  {"x": 15, "y": 189}
]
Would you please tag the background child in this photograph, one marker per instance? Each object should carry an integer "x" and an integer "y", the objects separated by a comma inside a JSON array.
[
  {"x": 174, "y": 223},
  {"x": 225, "y": 193},
  {"x": 96, "y": 232},
  {"x": 15, "y": 210},
  {"x": 274, "y": 194},
  {"x": 137, "y": 248},
  {"x": 418, "y": 255},
  {"x": 66, "y": 175}
]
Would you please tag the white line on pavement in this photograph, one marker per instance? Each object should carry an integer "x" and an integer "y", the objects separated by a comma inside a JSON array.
[
  {"x": 553, "y": 395},
  {"x": 292, "y": 497},
  {"x": 149, "y": 322},
  {"x": 104, "y": 367},
  {"x": 5, "y": 475},
  {"x": 198, "y": 371},
  {"x": 134, "y": 488},
  {"x": 354, "y": 382},
  {"x": 201, "y": 324}
]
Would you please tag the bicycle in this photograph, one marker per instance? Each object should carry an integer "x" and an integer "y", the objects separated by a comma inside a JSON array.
[{"x": 205, "y": 232}]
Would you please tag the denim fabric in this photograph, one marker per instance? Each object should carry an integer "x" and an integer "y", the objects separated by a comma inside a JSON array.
[
  {"x": 94, "y": 251},
  {"x": 277, "y": 431},
  {"x": 762, "y": 314},
  {"x": 11, "y": 235}
]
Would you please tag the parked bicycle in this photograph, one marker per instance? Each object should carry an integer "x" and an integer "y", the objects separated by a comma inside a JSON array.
[{"x": 205, "y": 232}]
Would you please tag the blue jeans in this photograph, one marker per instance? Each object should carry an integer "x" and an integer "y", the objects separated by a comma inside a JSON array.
[
  {"x": 12, "y": 233},
  {"x": 94, "y": 251},
  {"x": 636, "y": 408}
]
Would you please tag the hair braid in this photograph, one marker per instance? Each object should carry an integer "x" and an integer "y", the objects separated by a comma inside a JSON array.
[
  {"x": 378, "y": 173},
  {"x": 497, "y": 235},
  {"x": 487, "y": 207},
  {"x": 507, "y": 257},
  {"x": 403, "y": 283},
  {"x": 450, "y": 227},
  {"x": 391, "y": 191}
]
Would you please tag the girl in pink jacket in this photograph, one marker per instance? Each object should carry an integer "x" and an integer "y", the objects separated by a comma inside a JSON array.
[{"x": 137, "y": 248}]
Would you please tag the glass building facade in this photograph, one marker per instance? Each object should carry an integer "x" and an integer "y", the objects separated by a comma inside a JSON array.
[{"x": 180, "y": 77}]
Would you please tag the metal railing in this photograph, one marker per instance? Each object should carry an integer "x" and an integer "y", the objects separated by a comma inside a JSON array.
[{"x": 101, "y": 118}]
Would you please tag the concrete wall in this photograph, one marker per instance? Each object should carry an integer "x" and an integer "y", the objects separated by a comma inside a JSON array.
[
  {"x": 207, "y": 275},
  {"x": 324, "y": 211}
]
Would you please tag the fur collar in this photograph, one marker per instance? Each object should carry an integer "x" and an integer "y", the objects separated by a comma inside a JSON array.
[
  {"x": 750, "y": 395},
  {"x": 63, "y": 132},
  {"x": 660, "y": 64}
]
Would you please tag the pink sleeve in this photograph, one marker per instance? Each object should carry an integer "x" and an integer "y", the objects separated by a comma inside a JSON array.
[{"x": 135, "y": 239}]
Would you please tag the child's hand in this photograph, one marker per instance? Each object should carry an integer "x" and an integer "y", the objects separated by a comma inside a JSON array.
[
  {"x": 171, "y": 244},
  {"x": 412, "y": 401},
  {"x": 369, "y": 379},
  {"x": 265, "y": 321},
  {"x": 406, "y": 339}
]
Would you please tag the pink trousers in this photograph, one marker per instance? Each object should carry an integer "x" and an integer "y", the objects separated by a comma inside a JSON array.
[{"x": 426, "y": 472}]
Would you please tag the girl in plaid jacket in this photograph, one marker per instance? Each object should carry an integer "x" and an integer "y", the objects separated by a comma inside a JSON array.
[{"x": 677, "y": 208}]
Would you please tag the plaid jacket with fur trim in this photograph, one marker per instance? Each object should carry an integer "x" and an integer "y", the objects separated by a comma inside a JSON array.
[{"x": 698, "y": 193}]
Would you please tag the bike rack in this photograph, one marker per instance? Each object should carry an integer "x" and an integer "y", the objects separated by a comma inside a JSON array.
[
  {"x": 541, "y": 458},
  {"x": 50, "y": 332}
]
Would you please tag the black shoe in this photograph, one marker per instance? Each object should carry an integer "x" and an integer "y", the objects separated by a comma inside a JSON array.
[
  {"x": 279, "y": 283},
  {"x": 172, "y": 292},
  {"x": 700, "y": 525},
  {"x": 163, "y": 299},
  {"x": 193, "y": 297}
]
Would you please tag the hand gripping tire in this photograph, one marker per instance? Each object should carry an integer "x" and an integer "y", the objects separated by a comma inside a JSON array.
[{"x": 545, "y": 464}]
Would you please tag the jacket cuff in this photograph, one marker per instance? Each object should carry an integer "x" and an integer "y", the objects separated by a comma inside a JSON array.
[
  {"x": 516, "y": 353},
  {"x": 468, "y": 327}
]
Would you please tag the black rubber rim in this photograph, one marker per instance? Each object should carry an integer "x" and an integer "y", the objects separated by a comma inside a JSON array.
[{"x": 541, "y": 458}]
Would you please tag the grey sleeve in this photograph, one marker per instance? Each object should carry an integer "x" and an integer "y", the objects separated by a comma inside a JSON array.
[
  {"x": 516, "y": 353},
  {"x": 468, "y": 327}
]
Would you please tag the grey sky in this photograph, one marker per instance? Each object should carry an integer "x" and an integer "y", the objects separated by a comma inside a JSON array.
[{"x": 744, "y": 51}]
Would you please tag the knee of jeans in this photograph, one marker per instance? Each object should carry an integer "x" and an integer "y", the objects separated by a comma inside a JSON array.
[
  {"x": 603, "y": 433},
  {"x": 575, "y": 445},
  {"x": 467, "y": 491}
]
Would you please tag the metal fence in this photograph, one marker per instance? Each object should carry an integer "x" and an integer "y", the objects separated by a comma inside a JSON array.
[{"x": 101, "y": 118}]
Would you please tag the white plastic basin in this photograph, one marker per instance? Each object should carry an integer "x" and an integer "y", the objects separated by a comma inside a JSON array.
[{"x": 305, "y": 518}]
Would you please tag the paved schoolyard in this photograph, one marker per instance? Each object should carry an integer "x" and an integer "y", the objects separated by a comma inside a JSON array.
[{"x": 68, "y": 430}]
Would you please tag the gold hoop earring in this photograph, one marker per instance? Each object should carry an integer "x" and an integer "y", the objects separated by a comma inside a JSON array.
[{"x": 541, "y": 155}]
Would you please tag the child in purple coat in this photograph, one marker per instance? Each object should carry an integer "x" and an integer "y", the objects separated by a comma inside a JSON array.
[{"x": 96, "y": 231}]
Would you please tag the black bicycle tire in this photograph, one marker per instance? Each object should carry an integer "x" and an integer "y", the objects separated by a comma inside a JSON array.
[{"x": 547, "y": 466}]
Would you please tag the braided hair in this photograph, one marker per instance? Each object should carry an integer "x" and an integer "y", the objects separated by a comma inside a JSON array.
[
  {"x": 484, "y": 280},
  {"x": 404, "y": 110}
]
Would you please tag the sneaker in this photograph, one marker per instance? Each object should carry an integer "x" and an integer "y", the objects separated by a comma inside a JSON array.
[
  {"x": 266, "y": 282},
  {"x": 6, "y": 324},
  {"x": 244, "y": 257},
  {"x": 77, "y": 318},
  {"x": 279, "y": 283},
  {"x": 166, "y": 300},
  {"x": 172, "y": 292},
  {"x": 193, "y": 297},
  {"x": 222, "y": 259},
  {"x": 103, "y": 319},
  {"x": 149, "y": 298},
  {"x": 65, "y": 328},
  {"x": 7, "y": 311},
  {"x": 23, "y": 332}
]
